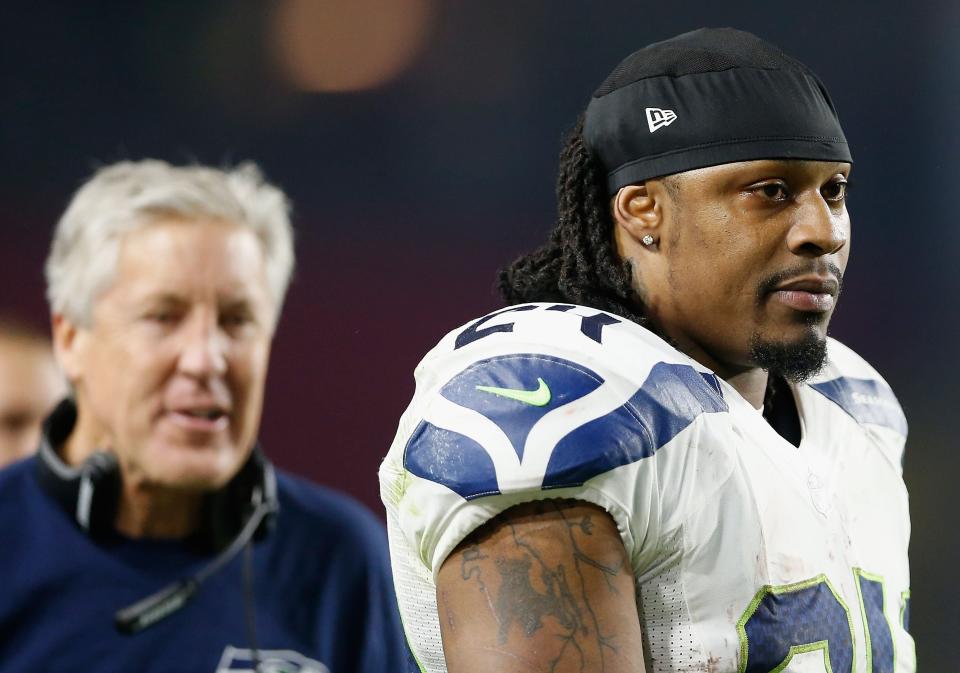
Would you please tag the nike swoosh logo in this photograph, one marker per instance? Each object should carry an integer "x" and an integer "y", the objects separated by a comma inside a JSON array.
[{"x": 538, "y": 398}]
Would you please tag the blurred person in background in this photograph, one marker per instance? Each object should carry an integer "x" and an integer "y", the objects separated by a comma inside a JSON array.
[
  {"x": 656, "y": 459},
  {"x": 151, "y": 533},
  {"x": 30, "y": 385}
]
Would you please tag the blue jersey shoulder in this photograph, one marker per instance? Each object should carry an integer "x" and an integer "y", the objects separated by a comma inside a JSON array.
[
  {"x": 852, "y": 384},
  {"x": 590, "y": 322},
  {"x": 867, "y": 401},
  {"x": 671, "y": 398},
  {"x": 521, "y": 391}
]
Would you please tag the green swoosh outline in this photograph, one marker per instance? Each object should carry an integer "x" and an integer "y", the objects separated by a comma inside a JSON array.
[{"x": 538, "y": 398}]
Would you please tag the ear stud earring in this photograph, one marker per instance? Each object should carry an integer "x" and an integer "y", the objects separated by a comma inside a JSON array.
[{"x": 647, "y": 240}]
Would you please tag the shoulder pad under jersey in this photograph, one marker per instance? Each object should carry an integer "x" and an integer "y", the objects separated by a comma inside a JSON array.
[{"x": 547, "y": 396}]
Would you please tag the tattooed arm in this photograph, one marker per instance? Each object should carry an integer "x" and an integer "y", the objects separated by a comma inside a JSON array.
[{"x": 545, "y": 587}]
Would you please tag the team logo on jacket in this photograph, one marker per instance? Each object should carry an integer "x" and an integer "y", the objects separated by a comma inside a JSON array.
[{"x": 236, "y": 660}]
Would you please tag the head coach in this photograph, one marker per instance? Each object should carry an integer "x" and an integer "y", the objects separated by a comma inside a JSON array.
[{"x": 150, "y": 533}]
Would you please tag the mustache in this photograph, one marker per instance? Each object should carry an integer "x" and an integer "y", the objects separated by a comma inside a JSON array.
[{"x": 821, "y": 268}]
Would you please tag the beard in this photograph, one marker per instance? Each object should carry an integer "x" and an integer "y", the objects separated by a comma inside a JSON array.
[{"x": 795, "y": 361}]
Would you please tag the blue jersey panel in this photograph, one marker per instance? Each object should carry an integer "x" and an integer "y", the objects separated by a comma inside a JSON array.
[
  {"x": 671, "y": 398},
  {"x": 881, "y": 640},
  {"x": 451, "y": 459},
  {"x": 798, "y": 618},
  {"x": 866, "y": 400},
  {"x": 486, "y": 385},
  {"x": 515, "y": 392}
]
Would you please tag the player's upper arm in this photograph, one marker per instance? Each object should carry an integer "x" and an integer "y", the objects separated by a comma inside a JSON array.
[{"x": 545, "y": 586}]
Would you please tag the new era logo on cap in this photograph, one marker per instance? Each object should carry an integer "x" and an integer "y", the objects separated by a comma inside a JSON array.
[{"x": 657, "y": 118}]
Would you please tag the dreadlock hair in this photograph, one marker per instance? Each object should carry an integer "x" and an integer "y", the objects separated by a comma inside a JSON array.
[{"x": 579, "y": 263}]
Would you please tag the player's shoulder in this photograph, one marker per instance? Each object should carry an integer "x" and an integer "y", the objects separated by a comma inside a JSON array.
[
  {"x": 320, "y": 513},
  {"x": 591, "y": 338},
  {"x": 856, "y": 387},
  {"x": 545, "y": 396}
]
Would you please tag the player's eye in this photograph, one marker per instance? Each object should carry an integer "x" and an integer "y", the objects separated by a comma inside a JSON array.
[
  {"x": 836, "y": 190},
  {"x": 774, "y": 190}
]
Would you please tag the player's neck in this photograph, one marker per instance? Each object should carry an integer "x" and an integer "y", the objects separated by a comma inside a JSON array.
[
  {"x": 748, "y": 380},
  {"x": 750, "y": 383}
]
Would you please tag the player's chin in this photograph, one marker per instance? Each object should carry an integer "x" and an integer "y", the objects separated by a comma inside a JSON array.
[
  {"x": 795, "y": 358},
  {"x": 792, "y": 347}
]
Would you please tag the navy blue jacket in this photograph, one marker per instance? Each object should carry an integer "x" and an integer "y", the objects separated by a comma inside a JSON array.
[{"x": 323, "y": 597}]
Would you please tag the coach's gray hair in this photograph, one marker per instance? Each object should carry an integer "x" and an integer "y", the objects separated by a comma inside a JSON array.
[{"x": 125, "y": 196}]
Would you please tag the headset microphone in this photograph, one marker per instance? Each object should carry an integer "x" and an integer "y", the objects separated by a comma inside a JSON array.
[{"x": 150, "y": 610}]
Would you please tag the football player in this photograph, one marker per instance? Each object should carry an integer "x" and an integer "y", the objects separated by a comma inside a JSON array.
[{"x": 655, "y": 459}]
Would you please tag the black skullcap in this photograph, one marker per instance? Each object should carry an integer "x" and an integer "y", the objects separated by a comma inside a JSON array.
[{"x": 708, "y": 97}]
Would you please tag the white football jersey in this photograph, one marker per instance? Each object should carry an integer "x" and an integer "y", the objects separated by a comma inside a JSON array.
[{"x": 751, "y": 555}]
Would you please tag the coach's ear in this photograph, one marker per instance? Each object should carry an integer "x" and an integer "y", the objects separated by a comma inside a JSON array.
[{"x": 65, "y": 346}]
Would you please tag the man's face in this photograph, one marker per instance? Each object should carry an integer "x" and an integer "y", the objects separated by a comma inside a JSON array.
[
  {"x": 30, "y": 386},
  {"x": 170, "y": 375},
  {"x": 749, "y": 261}
]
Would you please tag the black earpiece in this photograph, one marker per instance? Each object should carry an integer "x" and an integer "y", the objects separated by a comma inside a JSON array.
[{"x": 88, "y": 492}]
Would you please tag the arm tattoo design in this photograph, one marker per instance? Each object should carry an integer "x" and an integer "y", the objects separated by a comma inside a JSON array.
[{"x": 532, "y": 590}]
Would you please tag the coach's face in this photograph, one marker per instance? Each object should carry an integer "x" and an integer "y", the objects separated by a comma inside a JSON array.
[
  {"x": 170, "y": 374},
  {"x": 747, "y": 255}
]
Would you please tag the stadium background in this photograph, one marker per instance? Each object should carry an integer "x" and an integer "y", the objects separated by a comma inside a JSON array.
[{"x": 418, "y": 141}]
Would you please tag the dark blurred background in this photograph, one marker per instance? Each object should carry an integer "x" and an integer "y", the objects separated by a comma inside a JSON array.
[{"x": 418, "y": 141}]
